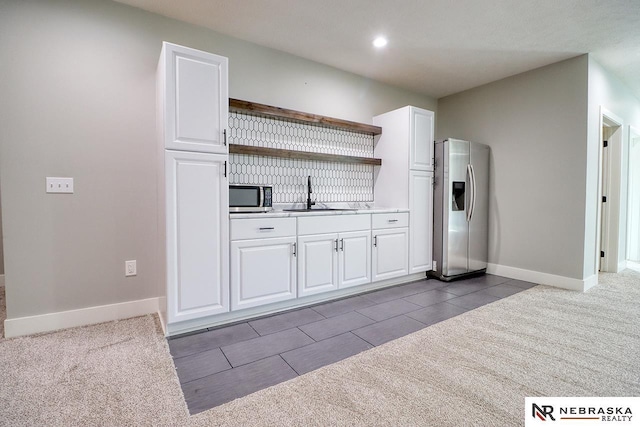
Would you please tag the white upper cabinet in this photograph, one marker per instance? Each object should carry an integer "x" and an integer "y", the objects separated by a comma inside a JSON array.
[
  {"x": 193, "y": 92},
  {"x": 421, "y": 139}
]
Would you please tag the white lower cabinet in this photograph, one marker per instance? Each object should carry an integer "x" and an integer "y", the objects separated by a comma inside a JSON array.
[
  {"x": 354, "y": 266},
  {"x": 333, "y": 261},
  {"x": 317, "y": 264},
  {"x": 334, "y": 257},
  {"x": 390, "y": 253},
  {"x": 263, "y": 269}
]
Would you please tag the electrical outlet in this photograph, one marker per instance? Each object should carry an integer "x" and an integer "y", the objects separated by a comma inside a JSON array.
[
  {"x": 59, "y": 185},
  {"x": 130, "y": 268}
]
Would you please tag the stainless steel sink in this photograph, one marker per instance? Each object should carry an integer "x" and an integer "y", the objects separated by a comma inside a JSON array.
[{"x": 317, "y": 209}]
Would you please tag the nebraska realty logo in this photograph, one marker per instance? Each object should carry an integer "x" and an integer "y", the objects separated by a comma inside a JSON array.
[{"x": 582, "y": 411}]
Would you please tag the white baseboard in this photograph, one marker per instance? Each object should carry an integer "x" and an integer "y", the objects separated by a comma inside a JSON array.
[
  {"x": 84, "y": 316},
  {"x": 1, "y": 280},
  {"x": 590, "y": 282},
  {"x": 543, "y": 278}
]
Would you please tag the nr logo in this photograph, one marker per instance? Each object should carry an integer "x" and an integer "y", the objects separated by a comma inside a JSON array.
[{"x": 543, "y": 412}]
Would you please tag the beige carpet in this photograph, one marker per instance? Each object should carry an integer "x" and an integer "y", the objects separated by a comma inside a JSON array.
[{"x": 474, "y": 369}]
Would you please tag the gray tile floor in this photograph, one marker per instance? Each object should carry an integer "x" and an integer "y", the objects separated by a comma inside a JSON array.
[{"x": 219, "y": 365}]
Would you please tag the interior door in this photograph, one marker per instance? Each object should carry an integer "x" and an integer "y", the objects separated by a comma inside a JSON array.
[{"x": 458, "y": 197}]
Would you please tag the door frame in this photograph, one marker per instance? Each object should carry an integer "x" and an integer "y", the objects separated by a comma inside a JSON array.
[{"x": 610, "y": 181}]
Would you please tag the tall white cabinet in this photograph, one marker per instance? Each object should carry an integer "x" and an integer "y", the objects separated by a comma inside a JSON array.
[
  {"x": 192, "y": 113},
  {"x": 405, "y": 179}
]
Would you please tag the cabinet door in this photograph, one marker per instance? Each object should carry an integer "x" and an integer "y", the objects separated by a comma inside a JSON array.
[
  {"x": 262, "y": 271},
  {"x": 421, "y": 221},
  {"x": 196, "y": 99},
  {"x": 421, "y": 140},
  {"x": 197, "y": 229},
  {"x": 317, "y": 264},
  {"x": 390, "y": 253},
  {"x": 354, "y": 258}
]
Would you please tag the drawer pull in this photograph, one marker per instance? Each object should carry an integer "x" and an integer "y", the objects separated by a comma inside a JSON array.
[
  {"x": 393, "y": 220},
  {"x": 266, "y": 228}
]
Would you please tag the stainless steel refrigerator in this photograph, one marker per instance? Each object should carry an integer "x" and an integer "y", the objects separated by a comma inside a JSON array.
[{"x": 461, "y": 209}]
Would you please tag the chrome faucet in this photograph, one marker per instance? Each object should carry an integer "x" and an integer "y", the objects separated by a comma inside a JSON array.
[{"x": 309, "y": 202}]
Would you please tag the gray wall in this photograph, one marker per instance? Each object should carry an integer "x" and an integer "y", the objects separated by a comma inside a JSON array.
[
  {"x": 536, "y": 125},
  {"x": 78, "y": 99}
]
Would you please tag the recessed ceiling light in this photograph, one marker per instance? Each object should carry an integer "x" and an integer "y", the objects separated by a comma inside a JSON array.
[{"x": 380, "y": 42}]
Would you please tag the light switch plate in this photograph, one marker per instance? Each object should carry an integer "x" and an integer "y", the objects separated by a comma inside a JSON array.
[
  {"x": 59, "y": 185},
  {"x": 130, "y": 268}
]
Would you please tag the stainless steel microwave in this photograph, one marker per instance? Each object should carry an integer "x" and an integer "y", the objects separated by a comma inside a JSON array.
[{"x": 250, "y": 198}]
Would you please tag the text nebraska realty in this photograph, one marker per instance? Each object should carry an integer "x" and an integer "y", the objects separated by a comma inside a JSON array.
[{"x": 606, "y": 413}]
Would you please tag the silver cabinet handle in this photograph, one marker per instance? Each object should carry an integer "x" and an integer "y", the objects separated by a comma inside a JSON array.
[
  {"x": 336, "y": 245},
  {"x": 224, "y": 136},
  {"x": 294, "y": 249},
  {"x": 375, "y": 241},
  {"x": 266, "y": 228},
  {"x": 342, "y": 245},
  {"x": 393, "y": 220}
]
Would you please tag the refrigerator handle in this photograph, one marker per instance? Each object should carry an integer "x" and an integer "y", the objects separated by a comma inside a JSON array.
[
  {"x": 473, "y": 192},
  {"x": 471, "y": 195}
]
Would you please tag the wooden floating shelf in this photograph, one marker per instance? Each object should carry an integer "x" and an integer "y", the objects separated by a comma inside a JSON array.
[
  {"x": 314, "y": 119},
  {"x": 305, "y": 155}
]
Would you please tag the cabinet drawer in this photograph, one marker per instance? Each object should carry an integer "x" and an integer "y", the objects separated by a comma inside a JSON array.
[
  {"x": 258, "y": 228},
  {"x": 390, "y": 220},
  {"x": 333, "y": 223}
]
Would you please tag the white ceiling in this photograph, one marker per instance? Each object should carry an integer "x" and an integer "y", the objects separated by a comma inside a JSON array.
[{"x": 436, "y": 47}]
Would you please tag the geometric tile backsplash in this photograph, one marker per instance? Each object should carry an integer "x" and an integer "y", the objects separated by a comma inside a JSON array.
[{"x": 331, "y": 181}]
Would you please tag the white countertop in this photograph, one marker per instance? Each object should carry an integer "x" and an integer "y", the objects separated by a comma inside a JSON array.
[{"x": 357, "y": 208}]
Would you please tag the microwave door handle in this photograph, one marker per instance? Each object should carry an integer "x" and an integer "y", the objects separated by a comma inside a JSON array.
[
  {"x": 261, "y": 196},
  {"x": 470, "y": 203}
]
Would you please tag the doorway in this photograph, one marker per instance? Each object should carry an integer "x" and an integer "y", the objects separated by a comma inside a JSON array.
[{"x": 610, "y": 254}]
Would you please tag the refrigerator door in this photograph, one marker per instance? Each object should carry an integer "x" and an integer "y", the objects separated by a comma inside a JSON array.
[
  {"x": 457, "y": 197},
  {"x": 479, "y": 216}
]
